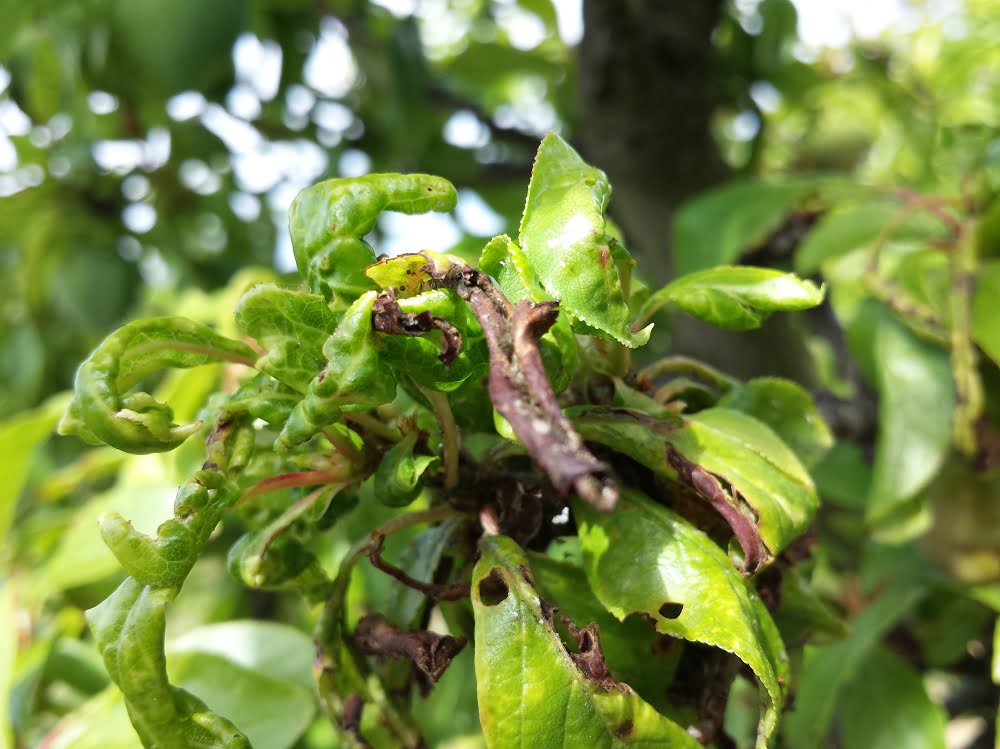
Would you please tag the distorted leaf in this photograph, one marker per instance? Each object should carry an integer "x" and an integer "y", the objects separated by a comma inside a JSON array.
[
  {"x": 103, "y": 409},
  {"x": 524, "y": 671},
  {"x": 643, "y": 557},
  {"x": 354, "y": 377},
  {"x": 292, "y": 326},
  {"x": 398, "y": 476}
]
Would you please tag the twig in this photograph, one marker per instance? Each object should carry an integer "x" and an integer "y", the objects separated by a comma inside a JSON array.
[
  {"x": 435, "y": 592},
  {"x": 449, "y": 434},
  {"x": 968, "y": 387},
  {"x": 519, "y": 388}
]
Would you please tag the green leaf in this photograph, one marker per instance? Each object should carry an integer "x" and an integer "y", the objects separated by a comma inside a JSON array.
[
  {"x": 642, "y": 557},
  {"x": 355, "y": 377},
  {"x": 774, "y": 496},
  {"x": 985, "y": 320},
  {"x": 842, "y": 230},
  {"x": 531, "y": 691},
  {"x": 564, "y": 238},
  {"x": 99, "y": 723},
  {"x": 328, "y": 223},
  {"x": 715, "y": 228},
  {"x": 735, "y": 297},
  {"x": 630, "y": 646},
  {"x": 419, "y": 560},
  {"x": 292, "y": 326},
  {"x": 103, "y": 410},
  {"x": 827, "y": 669},
  {"x": 916, "y": 400},
  {"x": 787, "y": 408},
  {"x": 20, "y": 436},
  {"x": 505, "y": 262},
  {"x": 886, "y": 707},
  {"x": 257, "y": 674},
  {"x": 8, "y": 654},
  {"x": 129, "y": 630},
  {"x": 758, "y": 465},
  {"x": 398, "y": 479}
]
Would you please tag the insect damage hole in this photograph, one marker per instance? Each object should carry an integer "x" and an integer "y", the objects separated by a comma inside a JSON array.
[
  {"x": 492, "y": 589},
  {"x": 671, "y": 610}
]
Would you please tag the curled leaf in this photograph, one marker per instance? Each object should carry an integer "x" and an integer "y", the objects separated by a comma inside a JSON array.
[
  {"x": 328, "y": 221},
  {"x": 355, "y": 378},
  {"x": 292, "y": 326},
  {"x": 398, "y": 479},
  {"x": 103, "y": 410}
]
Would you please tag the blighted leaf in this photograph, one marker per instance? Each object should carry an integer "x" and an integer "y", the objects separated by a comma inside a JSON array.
[
  {"x": 643, "y": 558},
  {"x": 505, "y": 262},
  {"x": 564, "y": 239},
  {"x": 787, "y": 408},
  {"x": 292, "y": 326},
  {"x": 886, "y": 706},
  {"x": 103, "y": 409},
  {"x": 728, "y": 458},
  {"x": 355, "y": 377},
  {"x": 437, "y": 340},
  {"x": 399, "y": 474},
  {"x": 916, "y": 400},
  {"x": 635, "y": 654},
  {"x": 532, "y": 690},
  {"x": 717, "y": 226},
  {"x": 328, "y": 223},
  {"x": 736, "y": 297}
]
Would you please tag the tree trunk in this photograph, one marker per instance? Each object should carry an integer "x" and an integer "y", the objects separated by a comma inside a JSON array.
[{"x": 648, "y": 88}]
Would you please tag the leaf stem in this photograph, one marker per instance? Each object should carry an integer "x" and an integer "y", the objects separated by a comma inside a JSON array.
[
  {"x": 449, "y": 434},
  {"x": 373, "y": 425},
  {"x": 291, "y": 480},
  {"x": 676, "y": 365},
  {"x": 968, "y": 387}
]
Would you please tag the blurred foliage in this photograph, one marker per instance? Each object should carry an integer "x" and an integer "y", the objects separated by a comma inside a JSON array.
[{"x": 149, "y": 150}]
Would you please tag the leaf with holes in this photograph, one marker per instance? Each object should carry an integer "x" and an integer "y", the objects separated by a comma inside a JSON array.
[
  {"x": 643, "y": 558},
  {"x": 532, "y": 690}
]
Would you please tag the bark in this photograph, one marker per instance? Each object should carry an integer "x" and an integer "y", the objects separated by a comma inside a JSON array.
[
  {"x": 648, "y": 88},
  {"x": 647, "y": 92}
]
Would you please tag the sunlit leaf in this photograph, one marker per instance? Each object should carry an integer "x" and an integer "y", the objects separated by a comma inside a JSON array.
[
  {"x": 735, "y": 297},
  {"x": 531, "y": 690},
  {"x": 564, "y": 238},
  {"x": 643, "y": 558}
]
